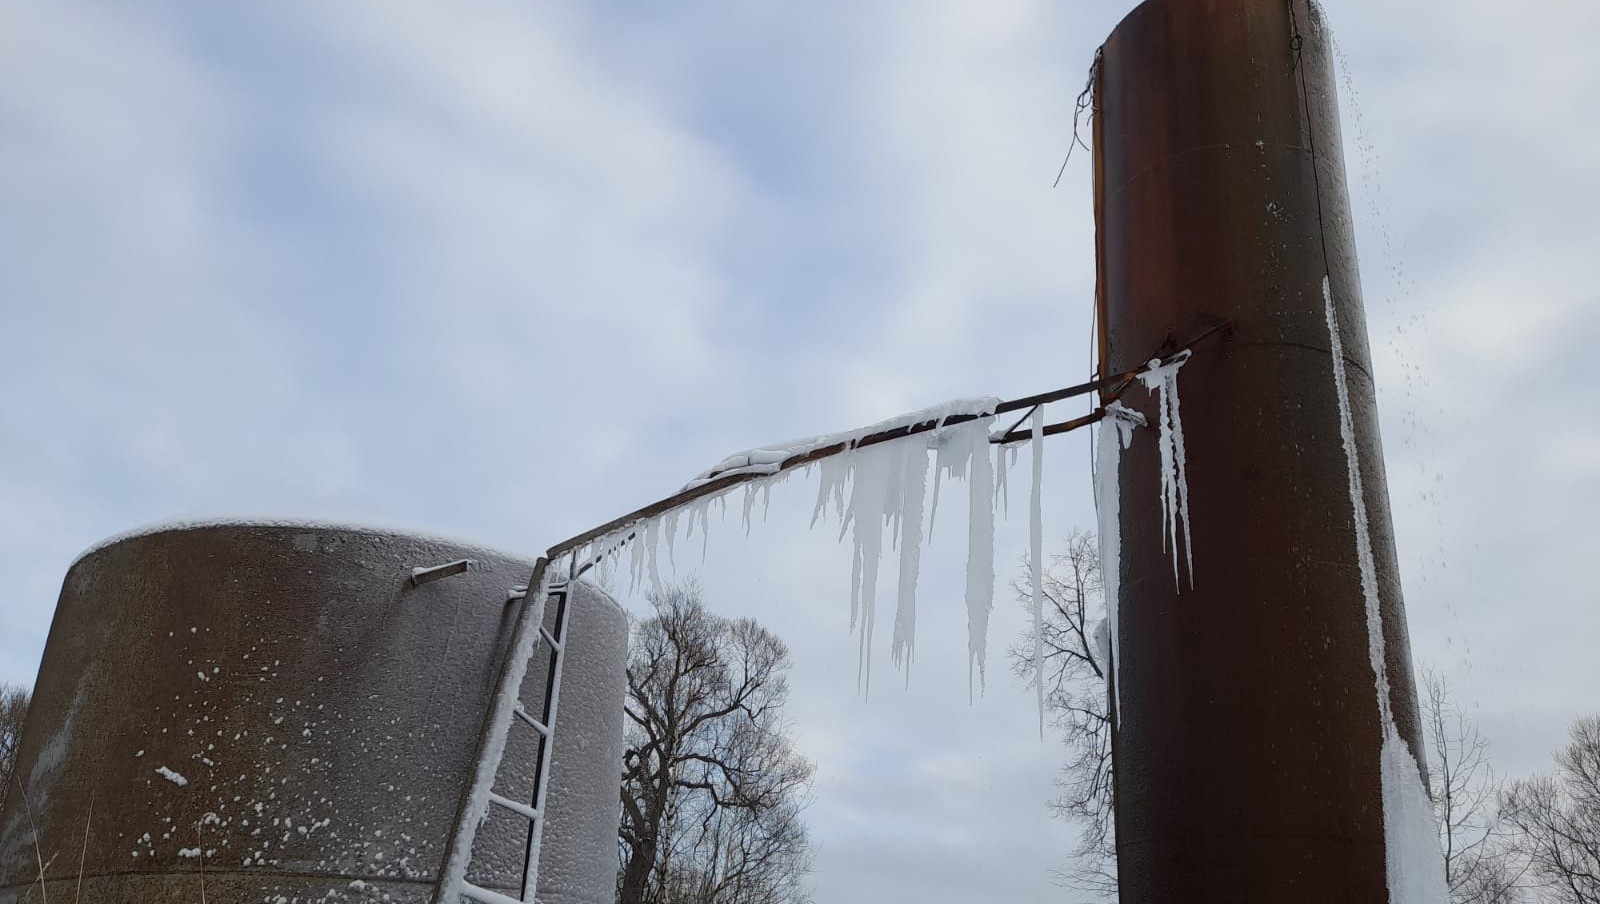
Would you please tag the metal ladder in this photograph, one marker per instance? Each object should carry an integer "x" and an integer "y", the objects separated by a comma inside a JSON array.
[{"x": 506, "y": 715}]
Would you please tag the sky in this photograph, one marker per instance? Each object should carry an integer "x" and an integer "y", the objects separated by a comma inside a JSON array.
[{"x": 503, "y": 271}]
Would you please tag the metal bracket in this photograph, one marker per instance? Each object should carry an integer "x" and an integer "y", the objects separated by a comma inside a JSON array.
[{"x": 420, "y": 576}]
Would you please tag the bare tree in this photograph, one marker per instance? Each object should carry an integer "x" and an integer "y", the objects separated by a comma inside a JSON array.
[
  {"x": 1076, "y": 665},
  {"x": 712, "y": 788},
  {"x": 13, "y": 710},
  {"x": 1558, "y": 815},
  {"x": 1480, "y": 863}
]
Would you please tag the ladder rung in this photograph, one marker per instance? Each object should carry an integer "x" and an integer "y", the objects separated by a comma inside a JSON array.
[
  {"x": 486, "y": 896},
  {"x": 550, "y": 639},
  {"x": 523, "y": 810},
  {"x": 535, "y": 724}
]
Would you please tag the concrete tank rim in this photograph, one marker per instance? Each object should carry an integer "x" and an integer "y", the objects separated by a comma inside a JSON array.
[{"x": 182, "y": 525}]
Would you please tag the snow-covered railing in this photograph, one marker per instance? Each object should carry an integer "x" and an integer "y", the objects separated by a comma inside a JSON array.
[
  {"x": 886, "y": 490},
  {"x": 716, "y": 481}
]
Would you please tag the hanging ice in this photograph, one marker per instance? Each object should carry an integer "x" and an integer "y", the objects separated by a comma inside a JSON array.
[
  {"x": 652, "y": 535},
  {"x": 914, "y": 473},
  {"x": 1102, "y": 643},
  {"x": 1116, "y": 432},
  {"x": 980, "y": 548},
  {"x": 871, "y": 488},
  {"x": 1413, "y": 860},
  {"x": 870, "y": 500},
  {"x": 1162, "y": 379},
  {"x": 1036, "y": 557}
]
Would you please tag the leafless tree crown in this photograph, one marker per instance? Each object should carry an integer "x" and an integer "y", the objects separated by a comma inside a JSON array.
[
  {"x": 1075, "y": 675},
  {"x": 1481, "y": 863},
  {"x": 1557, "y": 816},
  {"x": 712, "y": 787},
  {"x": 13, "y": 710}
]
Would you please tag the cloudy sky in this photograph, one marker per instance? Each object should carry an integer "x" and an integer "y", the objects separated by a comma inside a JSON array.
[{"x": 506, "y": 270}]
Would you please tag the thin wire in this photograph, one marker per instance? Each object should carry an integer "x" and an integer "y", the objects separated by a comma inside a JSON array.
[{"x": 1084, "y": 102}]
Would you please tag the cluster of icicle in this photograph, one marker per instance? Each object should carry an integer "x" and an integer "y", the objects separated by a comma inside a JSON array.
[
  {"x": 879, "y": 495},
  {"x": 1116, "y": 434}
]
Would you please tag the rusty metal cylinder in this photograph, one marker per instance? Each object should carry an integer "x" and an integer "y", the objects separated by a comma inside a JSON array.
[
  {"x": 1247, "y": 758},
  {"x": 279, "y": 713}
]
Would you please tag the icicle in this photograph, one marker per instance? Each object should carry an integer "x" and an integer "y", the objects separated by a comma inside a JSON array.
[
  {"x": 652, "y": 534},
  {"x": 855, "y": 585},
  {"x": 893, "y": 499},
  {"x": 636, "y": 563},
  {"x": 1036, "y": 557},
  {"x": 1415, "y": 864},
  {"x": 1001, "y": 488},
  {"x": 913, "y": 488},
  {"x": 671, "y": 519},
  {"x": 766, "y": 495},
  {"x": 1116, "y": 433},
  {"x": 830, "y": 485},
  {"x": 869, "y": 509},
  {"x": 749, "y": 504},
  {"x": 705, "y": 527},
  {"x": 1163, "y": 380},
  {"x": 953, "y": 453},
  {"x": 980, "y": 548}
]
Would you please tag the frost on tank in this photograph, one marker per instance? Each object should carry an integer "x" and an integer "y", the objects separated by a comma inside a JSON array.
[{"x": 171, "y": 776}]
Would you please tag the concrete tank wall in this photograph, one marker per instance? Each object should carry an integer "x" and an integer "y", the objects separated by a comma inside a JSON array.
[{"x": 274, "y": 712}]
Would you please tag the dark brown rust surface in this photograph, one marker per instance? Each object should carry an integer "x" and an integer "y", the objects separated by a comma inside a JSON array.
[
  {"x": 322, "y": 713},
  {"x": 1248, "y": 751}
]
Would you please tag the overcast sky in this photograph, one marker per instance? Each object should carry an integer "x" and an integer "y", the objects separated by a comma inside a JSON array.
[{"x": 506, "y": 270}]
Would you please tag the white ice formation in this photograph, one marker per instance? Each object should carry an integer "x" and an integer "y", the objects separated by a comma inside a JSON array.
[
  {"x": 171, "y": 776},
  {"x": 1414, "y": 862},
  {"x": 1162, "y": 379},
  {"x": 879, "y": 493},
  {"x": 1116, "y": 434},
  {"x": 1036, "y": 556}
]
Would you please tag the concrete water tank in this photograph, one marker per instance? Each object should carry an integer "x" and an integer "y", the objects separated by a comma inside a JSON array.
[{"x": 268, "y": 712}]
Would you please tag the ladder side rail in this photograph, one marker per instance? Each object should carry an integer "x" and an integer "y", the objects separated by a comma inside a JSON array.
[
  {"x": 491, "y": 743},
  {"x": 552, "y": 700}
]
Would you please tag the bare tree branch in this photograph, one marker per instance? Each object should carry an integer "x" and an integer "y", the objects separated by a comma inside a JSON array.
[
  {"x": 1075, "y": 673},
  {"x": 1558, "y": 816},
  {"x": 712, "y": 789},
  {"x": 13, "y": 712}
]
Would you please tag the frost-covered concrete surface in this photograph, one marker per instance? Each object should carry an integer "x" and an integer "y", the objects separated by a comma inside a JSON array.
[{"x": 330, "y": 261}]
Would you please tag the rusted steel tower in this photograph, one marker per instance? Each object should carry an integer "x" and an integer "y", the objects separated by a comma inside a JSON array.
[{"x": 1248, "y": 758}]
